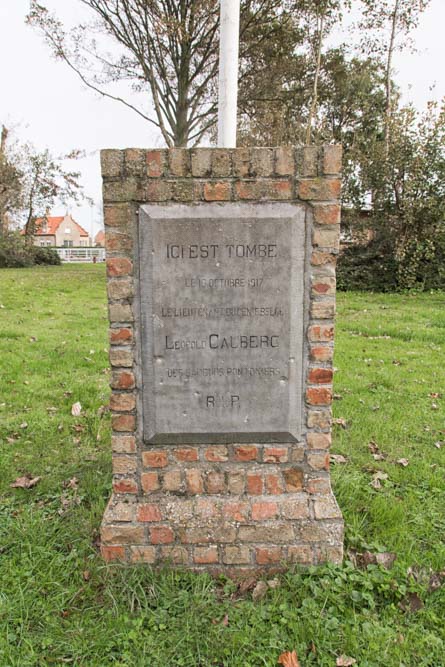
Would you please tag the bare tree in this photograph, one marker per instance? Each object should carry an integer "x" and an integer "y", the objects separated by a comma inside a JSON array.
[
  {"x": 387, "y": 25},
  {"x": 167, "y": 49}
]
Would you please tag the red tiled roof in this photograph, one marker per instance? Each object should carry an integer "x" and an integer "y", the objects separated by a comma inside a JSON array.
[
  {"x": 100, "y": 237},
  {"x": 53, "y": 225}
]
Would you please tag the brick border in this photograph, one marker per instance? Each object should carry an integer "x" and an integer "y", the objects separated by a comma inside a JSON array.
[{"x": 222, "y": 507}]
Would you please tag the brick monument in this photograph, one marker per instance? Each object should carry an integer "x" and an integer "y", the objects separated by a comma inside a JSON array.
[{"x": 221, "y": 293}]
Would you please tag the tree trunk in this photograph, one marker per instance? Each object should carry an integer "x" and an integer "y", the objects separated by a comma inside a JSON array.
[
  {"x": 388, "y": 109},
  {"x": 316, "y": 77}
]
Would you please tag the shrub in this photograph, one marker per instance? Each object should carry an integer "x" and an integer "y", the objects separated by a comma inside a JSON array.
[{"x": 15, "y": 252}]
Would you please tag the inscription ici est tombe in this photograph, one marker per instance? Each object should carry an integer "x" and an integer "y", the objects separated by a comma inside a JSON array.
[{"x": 221, "y": 321}]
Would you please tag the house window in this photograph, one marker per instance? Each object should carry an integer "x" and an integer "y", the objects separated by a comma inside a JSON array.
[
  {"x": 42, "y": 243},
  {"x": 67, "y": 244},
  {"x": 67, "y": 230}
]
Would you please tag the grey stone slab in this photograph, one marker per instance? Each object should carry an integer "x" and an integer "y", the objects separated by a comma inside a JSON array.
[{"x": 221, "y": 325}]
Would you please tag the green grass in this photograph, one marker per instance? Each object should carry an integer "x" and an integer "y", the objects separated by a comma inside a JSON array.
[{"x": 59, "y": 604}]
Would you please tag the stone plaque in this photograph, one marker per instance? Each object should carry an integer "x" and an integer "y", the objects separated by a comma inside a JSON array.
[{"x": 221, "y": 321}]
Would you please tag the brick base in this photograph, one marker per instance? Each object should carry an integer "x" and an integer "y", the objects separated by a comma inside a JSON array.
[{"x": 238, "y": 506}]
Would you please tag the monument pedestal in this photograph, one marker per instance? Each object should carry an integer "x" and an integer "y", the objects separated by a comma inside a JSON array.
[{"x": 221, "y": 287}]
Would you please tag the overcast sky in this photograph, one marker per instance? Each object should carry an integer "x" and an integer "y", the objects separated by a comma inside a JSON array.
[{"x": 48, "y": 105}]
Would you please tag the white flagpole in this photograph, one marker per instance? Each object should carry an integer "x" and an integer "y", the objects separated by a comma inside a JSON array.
[{"x": 228, "y": 72}]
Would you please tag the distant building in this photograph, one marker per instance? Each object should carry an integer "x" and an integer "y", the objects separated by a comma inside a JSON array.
[
  {"x": 99, "y": 239},
  {"x": 61, "y": 232}
]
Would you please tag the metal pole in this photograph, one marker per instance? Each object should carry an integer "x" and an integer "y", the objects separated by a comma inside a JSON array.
[{"x": 228, "y": 72}]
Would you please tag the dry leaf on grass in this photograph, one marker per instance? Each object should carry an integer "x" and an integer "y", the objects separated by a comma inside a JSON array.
[
  {"x": 403, "y": 462},
  {"x": 76, "y": 409},
  {"x": 411, "y": 603},
  {"x": 377, "y": 479},
  {"x": 259, "y": 591},
  {"x": 26, "y": 482},
  {"x": 289, "y": 659},
  {"x": 338, "y": 458},
  {"x": 345, "y": 661},
  {"x": 339, "y": 421}
]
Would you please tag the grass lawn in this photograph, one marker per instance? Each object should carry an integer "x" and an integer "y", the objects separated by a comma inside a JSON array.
[{"x": 59, "y": 604}]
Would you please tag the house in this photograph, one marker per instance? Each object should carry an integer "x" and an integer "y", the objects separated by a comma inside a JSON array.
[
  {"x": 99, "y": 239},
  {"x": 60, "y": 231}
]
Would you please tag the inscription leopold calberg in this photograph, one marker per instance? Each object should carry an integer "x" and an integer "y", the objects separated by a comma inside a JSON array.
[{"x": 221, "y": 331}]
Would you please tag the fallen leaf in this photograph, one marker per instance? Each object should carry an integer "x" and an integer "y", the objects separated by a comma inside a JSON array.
[
  {"x": 26, "y": 482},
  {"x": 67, "y": 394},
  {"x": 289, "y": 659},
  {"x": 11, "y": 441},
  {"x": 71, "y": 483},
  {"x": 377, "y": 478},
  {"x": 259, "y": 591},
  {"x": 438, "y": 444},
  {"x": 434, "y": 406},
  {"x": 373, "y": 447},
  {"x": 411, "y": 603},
  {"x": 337, "y": 397},
  {"x": 79, "y": 428},
  {"x": 436, "y": 581},
  {"x": 345, "y": 661},
  {"x": 435, "y": 394},
  {"x": 24, "y": 425},
  {"x": 385, "y": 559},
  {"x": 396, "y": 362},
  {"x": 33, "y": 339},
  {"x": 247, "y": 585},
  {"x": 273, "y": 583},
  {"x": 339, "y": 421},
  {"x": 225, "y": 620},
  {"x": 379, "y": 457},
  {"x": 86, "y": 574},
  {"x": 403, "y": 462},
  {"x": 76, "y": 409},
  {"x": 338, "y": 458}
]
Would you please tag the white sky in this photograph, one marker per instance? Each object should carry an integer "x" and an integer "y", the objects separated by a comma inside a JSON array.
[{"x": 47, "y": 104}]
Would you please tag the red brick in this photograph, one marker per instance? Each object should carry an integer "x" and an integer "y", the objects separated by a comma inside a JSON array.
[
  {"x": 214, "y": 482},
  {"x": 254, "y": 484},
  {"x": 321, "y": 333},
  {"x": 319, "y": 258},
  {"x": 275, "y": 455},
  {"x": 122, "y": 534},
  {"x": 143, "y": 555},
  {"x": 112, "y": 553},
  {"x": 122, "y": 380},
  {"x": 318, "y": 440},
  {"x": 123, "y": 444},
  {"x": 248, "y": 190},
  {"x": 125, "y": 486},
  {"x": 264, "y": 510},
  {"x": 279, "y": 189},
  {"x": 158, "y": 191},
  {"x": 194, "y": 481},
  {"x": 317, "y": 189},
  {"x": 119, "y": 266},
  {"x": 318, "y": 485},
  {"x": 216, "y": 454},
  {"x": 320, "y": 375},
  {"x": 149, "y": 482},
  {"x": 301, "y": 555},
  {"x": 172, "y": 480},
  {"x": 318, "y": 396},
  {"x": 217, "y": 191},
  {"x": 322, "y": 353},
  {"x": 123, "y": 243},
  {"x": 284, "y": 161},
  {"x": 293, "y": 478},
  {"x": 124, "y": 465},
  {"x": 268, "y": 555},
  {"x": 323, "y": 286},
  {"x": 155, "y": 163},
  {"x": 318, "y": 461},
  {"x": 123, "y": 422},
  {"x": 161, "y": 535},
  {"x": 148, "y": 513},
  {"x": 186, "y": 454},
  {"x": 205, "y": 508},
  {"x": 122, "y": 402},
  {"x": 236, "y": 555},
  {"x": 238, "y": 511},
  {"x": 274, "y": 485},
  {"x": 327, "y": 214},
  {"x": 154, "y": 459},
  {"x": 205, "y": 555},
  {"x": 246, "y": 453},
  {"x": 121, "y": 336},
  {"x": 297, "y": 508}
]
